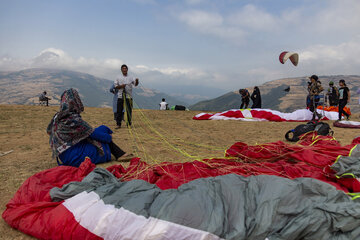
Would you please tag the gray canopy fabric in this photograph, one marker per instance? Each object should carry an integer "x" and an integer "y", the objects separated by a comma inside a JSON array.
[
  {"x": 223, "y": 207},
  {"x": 348, "y": 165}
]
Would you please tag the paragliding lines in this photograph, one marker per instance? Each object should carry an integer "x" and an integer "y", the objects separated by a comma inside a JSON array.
[
  {"x": 162, "y": 137},
  {"x": 145, "y": 129}
]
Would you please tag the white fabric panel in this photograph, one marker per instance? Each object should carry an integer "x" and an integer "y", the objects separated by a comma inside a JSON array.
[
  {"x": 108, "y": 222},
  {"x": 350, "y": 122}
]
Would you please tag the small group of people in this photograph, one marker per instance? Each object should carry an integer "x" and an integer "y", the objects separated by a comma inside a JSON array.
[
  {"x": 72, "y": 139},
  {"x": 255, "y": 98},
  {"x": 336, "y": 97}
]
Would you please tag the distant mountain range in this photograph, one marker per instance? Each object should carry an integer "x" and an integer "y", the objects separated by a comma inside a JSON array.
[
  {"x": 274, "y": 97},
  {"x": 24, "y": 87}
]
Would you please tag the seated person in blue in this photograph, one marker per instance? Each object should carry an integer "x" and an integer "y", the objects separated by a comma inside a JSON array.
[{"x": 72, "y": 139}]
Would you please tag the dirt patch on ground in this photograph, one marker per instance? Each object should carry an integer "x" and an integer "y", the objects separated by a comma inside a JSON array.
[{"x": 156, "y": 136}]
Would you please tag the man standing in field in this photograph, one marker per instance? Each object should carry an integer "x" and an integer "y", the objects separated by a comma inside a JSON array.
[
  {"x": 314, "y": 89},
  {"x": 125, "y": 83}
]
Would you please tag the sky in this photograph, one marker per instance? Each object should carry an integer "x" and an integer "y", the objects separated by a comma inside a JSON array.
[{"x": 189, "y": 48}]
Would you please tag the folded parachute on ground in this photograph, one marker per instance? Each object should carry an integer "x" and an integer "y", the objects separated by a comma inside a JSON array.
[
  {"x": 334, "y": 109},
  {"x": 274, "y": 190},
  {"x": 300, "y": 115},
  {"x": 347, "y": 124},
  {"x": 294, "y": 57}
]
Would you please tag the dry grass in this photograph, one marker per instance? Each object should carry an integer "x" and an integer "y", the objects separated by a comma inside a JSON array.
[{"x": 156, "y": 136}]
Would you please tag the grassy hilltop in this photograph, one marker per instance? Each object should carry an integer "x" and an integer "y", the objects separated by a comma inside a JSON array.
[{"x": 156, "y": 136}]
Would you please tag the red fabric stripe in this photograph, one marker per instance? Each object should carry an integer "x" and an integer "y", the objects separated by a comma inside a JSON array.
[
  {"x": 267, "y": 115},
  {"x": 233, "y": 114},
  {"x": 203, "y": 117},
  {"x": 31, "y": 209}
]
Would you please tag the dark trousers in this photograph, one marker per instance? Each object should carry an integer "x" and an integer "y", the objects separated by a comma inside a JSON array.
[
  {"x": 128, "y": 109},
  {"x": 44, "y": 100},
  {"x": 314, "y": 102},
  {"x": 115, "y": 150},
  {"x": 244, "y": 103},
  {"x": 333, "y": 101},
  {"x": 342, "y": 104}
]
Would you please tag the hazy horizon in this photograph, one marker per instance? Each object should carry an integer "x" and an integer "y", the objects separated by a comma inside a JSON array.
[{"x": 192, "y": 48}]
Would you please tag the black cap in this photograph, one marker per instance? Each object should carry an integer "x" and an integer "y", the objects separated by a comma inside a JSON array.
[{"x": 314, "y": 77}]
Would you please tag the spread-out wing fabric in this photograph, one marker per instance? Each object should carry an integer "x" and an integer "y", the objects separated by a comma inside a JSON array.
[
  {"x": 223, "y": 207},
  {"x": 265, "y": 115},
  {"x": 273, "y": 191}
]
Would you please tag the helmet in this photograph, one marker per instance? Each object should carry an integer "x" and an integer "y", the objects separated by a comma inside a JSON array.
[{"x": 331, "y": 83}]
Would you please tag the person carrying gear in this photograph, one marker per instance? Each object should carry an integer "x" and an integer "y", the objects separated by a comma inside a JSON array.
[
  {"x": 314, "y": 89},
  {"x": 332, "y": 94}
]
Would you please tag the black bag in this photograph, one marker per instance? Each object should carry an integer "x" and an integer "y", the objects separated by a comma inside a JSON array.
[
  {"x": 321, "y": 128},
  {"x": 180, "y": 107}
]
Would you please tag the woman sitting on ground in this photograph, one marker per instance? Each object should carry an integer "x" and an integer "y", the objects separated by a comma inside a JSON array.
[{"x": 72, "y": 139}]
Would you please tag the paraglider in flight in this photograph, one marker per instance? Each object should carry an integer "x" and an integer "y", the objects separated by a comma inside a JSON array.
[{"x": 294, "y": 57}]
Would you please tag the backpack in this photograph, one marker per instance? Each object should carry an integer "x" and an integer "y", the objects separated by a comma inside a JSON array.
[
  {"x": 180, "y": 107},
  {"x": 321, "y": 128}
]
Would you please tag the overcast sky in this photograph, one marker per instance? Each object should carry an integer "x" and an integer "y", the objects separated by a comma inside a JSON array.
[{"x": 174, "y": 44}]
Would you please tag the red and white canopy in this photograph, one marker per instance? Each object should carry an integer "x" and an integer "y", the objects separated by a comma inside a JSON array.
[{"x": 265, "y": 115}]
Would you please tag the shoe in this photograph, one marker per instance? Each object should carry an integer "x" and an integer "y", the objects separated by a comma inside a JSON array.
[
  {"x": 348, "y": 118},
  {"x": 125, "y": 157},
  {"x": 118, "y": 127}
]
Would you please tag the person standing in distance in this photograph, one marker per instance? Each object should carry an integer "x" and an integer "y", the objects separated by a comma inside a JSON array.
[
  {"x": 332, "y": 94},
  {"x": 314, "y": 89},
  {"x": 125, "y": 83},
  {"x": 344, "y": 98},
  {"x": 256, "y": 98},
  {"x": 245, "y": 98}
]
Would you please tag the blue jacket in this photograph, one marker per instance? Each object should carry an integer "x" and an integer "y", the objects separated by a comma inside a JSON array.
[{"x": 76, "y": 154}]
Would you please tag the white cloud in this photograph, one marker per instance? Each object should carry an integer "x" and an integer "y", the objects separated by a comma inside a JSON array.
[
  {"x": 145, "y": 2},
  {"x": 107, "y": 68},
  {"x": 333, "y": 19},
  {"x": 252, "y": 18},
  {"x": 201, "y": 19},
  {"x": 340, "y": 16},
  {"x": 211, "y": 23},
  {"x": 333, "y": 59},
  {"x": 235, "y": 26},
  {"x": 194, "y": 2}
]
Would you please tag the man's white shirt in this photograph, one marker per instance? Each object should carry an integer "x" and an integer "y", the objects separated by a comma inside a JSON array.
[
  {"x": 129, "y": 81},
  {"x": 163, "y": 105}
]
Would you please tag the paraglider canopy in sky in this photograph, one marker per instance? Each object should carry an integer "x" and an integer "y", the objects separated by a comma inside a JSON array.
[{"x": 294, "y": 57}]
